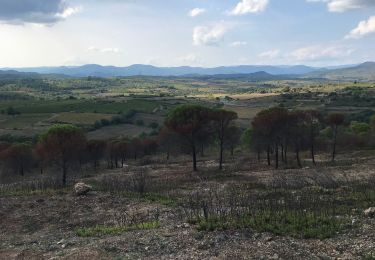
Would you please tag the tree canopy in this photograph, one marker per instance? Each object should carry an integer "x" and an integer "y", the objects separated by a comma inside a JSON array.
[{"x": 62, "y": 143}]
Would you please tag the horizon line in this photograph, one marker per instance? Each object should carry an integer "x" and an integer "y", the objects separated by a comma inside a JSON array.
[{"x": 180, "y": 66}]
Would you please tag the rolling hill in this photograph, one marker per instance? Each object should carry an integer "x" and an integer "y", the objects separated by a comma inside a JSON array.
[
  {"x": 149, "y": 70},
  {"x": 364, "y": 72},
  {"x": 256, "y": 76},
  {"x": 361, "y": 72}
]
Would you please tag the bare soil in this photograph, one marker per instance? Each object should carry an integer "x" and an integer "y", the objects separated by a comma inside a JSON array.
[{"x": 44, "y": 226}]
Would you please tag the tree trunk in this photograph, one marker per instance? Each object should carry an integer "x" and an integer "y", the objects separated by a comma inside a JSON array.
[
  {"x": 298, "y": 159},
  {"x": 313, "y": 153},
  {"x": 268, "y": 156},
  {"x": 312, "y": 148},
  {"x": 194, "y": 157},
  {"x": 64, "y": 170},
  {"x": 334, "y": 144},
  {"x": 221, "y": 154},
  {"x": 285, "y": 156},
  {"x": 221, "y": 137},
  {"x": 21, "y": 170},
  {"x": 277, "y": 156},
  {"x": 282, "y": 153},
  {"x": 258, "y": 156}
]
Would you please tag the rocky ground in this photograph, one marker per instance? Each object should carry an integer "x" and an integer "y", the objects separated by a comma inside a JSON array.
[{"x": 44, "y": 227}]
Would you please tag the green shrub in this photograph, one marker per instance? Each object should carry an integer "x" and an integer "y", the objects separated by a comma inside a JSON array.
[
  {"x": 139, "y": 122},
  {"x": 115, "y": 230},
  {"x": 298, "y": 224}
]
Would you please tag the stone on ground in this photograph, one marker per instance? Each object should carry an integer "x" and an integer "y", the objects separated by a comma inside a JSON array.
[{"x": 81, "y": 188}]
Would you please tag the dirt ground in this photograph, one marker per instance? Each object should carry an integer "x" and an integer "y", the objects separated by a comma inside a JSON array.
[{"x": 44, "y": 226}]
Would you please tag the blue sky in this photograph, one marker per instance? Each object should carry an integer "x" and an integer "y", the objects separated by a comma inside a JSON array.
[{"x": 186, "y": 32}]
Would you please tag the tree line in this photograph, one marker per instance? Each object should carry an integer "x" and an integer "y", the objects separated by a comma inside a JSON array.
[
  {"x": 276, "y": 133},
  {"x": 276, "y": 130}
]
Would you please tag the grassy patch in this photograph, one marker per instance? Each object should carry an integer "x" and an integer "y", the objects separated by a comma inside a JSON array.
[
  {"x": 23, "y": 120},
  {"x": 369, "y": 256},
  {"x": 115, "y": 230},
  {"x": 158, "y": 198},
  {"x": 80, "y": 118},
  {"x": 80, "y": 106},
  {"x": 151, "y": 198},
  {"x": 293, "y": 223},
  {"x": 307, "y": 213}
]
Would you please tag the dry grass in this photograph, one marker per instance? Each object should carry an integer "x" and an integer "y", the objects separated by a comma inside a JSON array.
[
  {"x": 79, "y": 118},
  {"x": 244, "y": 112},
  {"x": 22, "y": 121}
]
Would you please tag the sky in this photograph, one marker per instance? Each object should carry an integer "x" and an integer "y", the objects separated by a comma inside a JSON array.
[{"x": 203, "y": 33}]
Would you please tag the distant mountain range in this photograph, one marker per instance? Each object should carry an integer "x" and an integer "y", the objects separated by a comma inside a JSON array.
[
  {"x": 365, "y": 71},
  {"x": 256, "y": 76},
  {"x": 15, "y": 73},
  {"x": 149, "y": 70}
]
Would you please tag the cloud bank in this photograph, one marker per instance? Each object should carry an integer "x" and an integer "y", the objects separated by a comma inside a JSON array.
[
  {"x": 363, "y": 28},
  {"x": 346, "y": 5},
  {"x": 321, "y": 52},
  {"x": 35, "y": 11},
  {"x": 249, "y": 6},
  {"x": 196, "y": 12},
  {"x": 205, "y": 35}
]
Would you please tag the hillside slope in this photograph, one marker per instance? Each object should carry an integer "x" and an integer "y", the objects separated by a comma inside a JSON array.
[{"x": 364, "y": 71}]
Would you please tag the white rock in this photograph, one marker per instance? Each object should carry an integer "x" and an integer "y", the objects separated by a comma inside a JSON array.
[
  {"x": 61, "y": 241},
  {"x": 81, "y": 188},
  {"x": 370, "y": 212},
  {"x": 185, "y": 225}
]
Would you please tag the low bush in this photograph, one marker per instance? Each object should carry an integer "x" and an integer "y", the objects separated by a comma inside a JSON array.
[
  {"x": 100, "y": 230},
  {"x": 294, "y": 223}
]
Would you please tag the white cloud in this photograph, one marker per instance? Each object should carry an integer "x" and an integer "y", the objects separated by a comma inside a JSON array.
[
  {"x": 35, "y": 11},
  {"x": 321, "y": 52},
  {"x": 346, "y": 5},
  {"x": 363, "y": 28},
  {"x": 69, "y": 12},
  {"x": 204, "y": 35},
  {"x": 237, "y": 44},
  {"x": 271, "y": 54},
  {"x": 110, "y": 50},
  {"x": 196, "y": 12},
  {"x": 249, "y": 6},
  {"x": 104, "y": 50},
  {"x": 74, "y": 61},
  {"x": 92, "y": 48},
  {"x": 190, "y": 58},
  {"x": 154, "y": 61}
]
